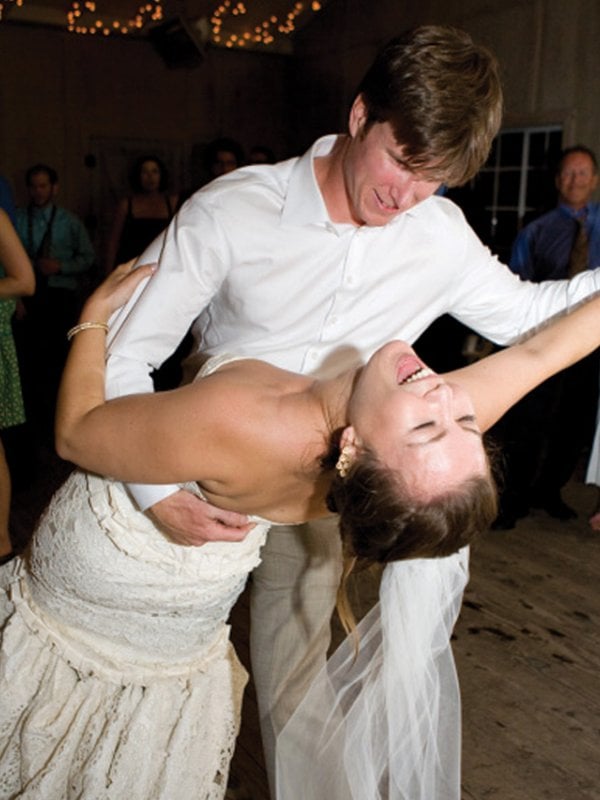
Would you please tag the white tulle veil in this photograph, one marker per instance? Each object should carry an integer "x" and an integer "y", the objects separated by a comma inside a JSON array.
[{"x": 385, "y": 725}]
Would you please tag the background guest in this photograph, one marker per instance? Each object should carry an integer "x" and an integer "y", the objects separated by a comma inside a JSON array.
[
  {"x": 16, "y": 280},
  {"x": 62, "y": 256},
  {"x": 223, "y": 155},
  {"x": 143, "y": 214},
  {"x": 545, "y": 434},
  {"x": 261, "y": 155}
]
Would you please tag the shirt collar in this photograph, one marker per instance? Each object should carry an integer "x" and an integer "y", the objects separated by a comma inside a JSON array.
[
  {"x": 583, "y": 212},
  {"x": 43, "y": 212},
  {"x": 304, "y": 202}
]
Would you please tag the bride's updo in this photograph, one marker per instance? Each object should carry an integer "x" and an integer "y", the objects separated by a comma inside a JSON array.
[{"x": 381, "y": 522}]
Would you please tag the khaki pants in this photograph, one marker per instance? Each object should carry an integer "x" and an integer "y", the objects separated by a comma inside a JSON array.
[{"x": 292, "y": 600}]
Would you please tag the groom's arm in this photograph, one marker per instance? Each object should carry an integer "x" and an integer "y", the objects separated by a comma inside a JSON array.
[
  {"x": 143, "y": 334},
  {"x": 486, "y": 296}
]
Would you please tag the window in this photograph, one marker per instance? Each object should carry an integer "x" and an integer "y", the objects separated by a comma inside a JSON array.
[{"x": 515, "y": 185}]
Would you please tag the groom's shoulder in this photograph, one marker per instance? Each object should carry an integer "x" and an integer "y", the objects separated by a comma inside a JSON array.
[{"x": 247, "y": 187}]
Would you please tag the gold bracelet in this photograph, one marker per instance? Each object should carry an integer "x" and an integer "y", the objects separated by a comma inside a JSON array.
[{"x": 86, "y": 326}]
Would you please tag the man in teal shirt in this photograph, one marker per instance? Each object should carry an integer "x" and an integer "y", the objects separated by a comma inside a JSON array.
[
  {"x": 55, "y": 239},
  {"x": 62, "y": 255}
]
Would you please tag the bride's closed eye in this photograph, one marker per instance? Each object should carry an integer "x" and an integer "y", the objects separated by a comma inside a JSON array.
[
  {"x": 422, "y": 425},
  {"x": 467, "y": 418}
]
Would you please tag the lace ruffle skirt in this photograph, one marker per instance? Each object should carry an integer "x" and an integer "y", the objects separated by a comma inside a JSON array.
[{"x": 82, "y": 717}]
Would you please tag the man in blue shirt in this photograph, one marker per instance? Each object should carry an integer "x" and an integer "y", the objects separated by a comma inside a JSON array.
[
  {"x": 542, "y": 249},
  {"x": 546, "y": 432}
]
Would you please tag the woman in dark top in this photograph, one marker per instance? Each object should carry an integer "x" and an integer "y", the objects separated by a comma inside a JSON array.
[{"x": 142, "y": 215}]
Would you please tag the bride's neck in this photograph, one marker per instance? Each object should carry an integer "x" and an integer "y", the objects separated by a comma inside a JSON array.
[{"x": 333, "y": 395}]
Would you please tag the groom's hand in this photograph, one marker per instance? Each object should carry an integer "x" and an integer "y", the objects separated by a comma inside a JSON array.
[{"x": 189, "y": 520}]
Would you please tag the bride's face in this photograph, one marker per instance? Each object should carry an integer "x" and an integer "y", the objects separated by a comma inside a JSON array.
[{"x": 416, "y": 422}]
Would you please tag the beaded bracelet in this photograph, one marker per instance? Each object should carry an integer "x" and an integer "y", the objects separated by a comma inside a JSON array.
[{"x": 86, "y": 326}]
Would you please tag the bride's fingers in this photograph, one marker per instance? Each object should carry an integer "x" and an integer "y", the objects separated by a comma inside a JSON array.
[
  {"x": 118, "y": 287},
  {"x": 123, "y": 290},
  {"x": 129, "y": 272},
  {"x": 123, "y": 269}
]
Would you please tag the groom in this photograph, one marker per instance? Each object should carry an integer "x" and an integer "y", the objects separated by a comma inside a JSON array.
[{"x": 312, "y": 264}]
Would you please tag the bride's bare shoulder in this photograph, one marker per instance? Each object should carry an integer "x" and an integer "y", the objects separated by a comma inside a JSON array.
[
  {"x": 241, "y": 394},
  {"x": 253, "y": 375}
]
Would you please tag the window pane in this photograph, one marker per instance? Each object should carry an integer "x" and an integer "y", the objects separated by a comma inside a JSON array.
[
  {"x": 507, "y": 225},
  {"x": 485, "y": 186},
  {"x": 508, "y": 188},
  {"x": 540, "y": 189},
  {"x": 537, "y": 149},
  {"x": 491, "y": 161},
  {"x": 511, "y": 149},
  {"x": 554, "y": 147}
]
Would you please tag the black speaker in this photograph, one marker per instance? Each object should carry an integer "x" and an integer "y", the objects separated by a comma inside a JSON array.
[{"x": 177, "y": 44}]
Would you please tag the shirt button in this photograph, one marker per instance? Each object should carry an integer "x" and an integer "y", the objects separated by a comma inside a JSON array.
[{"x": 333, "y": 321}]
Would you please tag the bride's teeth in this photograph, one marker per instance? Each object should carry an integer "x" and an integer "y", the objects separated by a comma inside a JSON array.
[{"x": 424, "y": 372}]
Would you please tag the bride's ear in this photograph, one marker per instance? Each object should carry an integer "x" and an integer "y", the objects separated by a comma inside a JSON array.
[{"x": 350, "y": 440}]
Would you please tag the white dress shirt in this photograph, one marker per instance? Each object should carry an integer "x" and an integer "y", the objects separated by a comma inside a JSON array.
[{"x": 255, "y": 263}]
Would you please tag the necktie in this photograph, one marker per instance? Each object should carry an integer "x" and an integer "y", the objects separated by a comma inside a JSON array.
[{"x": 578, "y": 260}]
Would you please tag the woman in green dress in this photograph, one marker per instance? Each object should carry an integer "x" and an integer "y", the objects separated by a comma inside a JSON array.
[{"x": 16, "y": 280}]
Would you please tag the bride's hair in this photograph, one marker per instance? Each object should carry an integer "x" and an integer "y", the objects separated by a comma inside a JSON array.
[{"x": 380, "y": 522}]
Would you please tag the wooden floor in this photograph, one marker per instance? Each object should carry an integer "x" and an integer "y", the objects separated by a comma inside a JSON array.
[
  {"x": 528, "y": 655},
  {"x": 527, "y": 648}
]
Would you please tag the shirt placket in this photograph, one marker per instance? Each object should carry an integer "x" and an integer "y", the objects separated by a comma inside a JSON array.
[{"x": 335, "y": 320}]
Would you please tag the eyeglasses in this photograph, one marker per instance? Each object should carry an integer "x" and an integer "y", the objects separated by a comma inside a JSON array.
[{"x": 576, "y": 173}]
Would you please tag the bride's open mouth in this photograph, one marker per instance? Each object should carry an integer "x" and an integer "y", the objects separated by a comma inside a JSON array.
[{"x": 411, "y": 369}]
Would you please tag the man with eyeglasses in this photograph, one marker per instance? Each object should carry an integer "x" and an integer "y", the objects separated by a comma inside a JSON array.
[{"x": 546, "y": 433}]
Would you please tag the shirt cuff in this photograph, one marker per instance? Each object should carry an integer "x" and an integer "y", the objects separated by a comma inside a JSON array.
[{"x": 146, "y": 495}]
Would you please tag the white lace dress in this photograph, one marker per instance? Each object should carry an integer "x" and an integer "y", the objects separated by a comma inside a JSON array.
[{"x": 117, "y": 677}]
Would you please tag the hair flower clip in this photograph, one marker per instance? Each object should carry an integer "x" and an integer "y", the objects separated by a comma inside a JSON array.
[{"x": 345, "y": 461}]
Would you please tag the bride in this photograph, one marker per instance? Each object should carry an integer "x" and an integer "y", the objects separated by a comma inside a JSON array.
[{"x": 117, "y": 677}]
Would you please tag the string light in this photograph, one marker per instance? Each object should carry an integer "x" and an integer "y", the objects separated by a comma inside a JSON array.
[
  {"x": 262, "y": 33},
  {"x": 6, "y": 3},
  {"x": 82, "y": 18}
]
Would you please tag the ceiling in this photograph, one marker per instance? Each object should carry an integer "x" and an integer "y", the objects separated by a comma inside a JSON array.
[{"x": 249, "y": 24}]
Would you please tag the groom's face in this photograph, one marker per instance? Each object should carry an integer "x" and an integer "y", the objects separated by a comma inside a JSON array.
[{"x": 380, "y": 185}]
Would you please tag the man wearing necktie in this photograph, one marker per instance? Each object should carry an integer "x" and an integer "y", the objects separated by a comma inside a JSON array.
[
  {"x": 62, "y": 255},
  {"x": 545, "y": 433}
]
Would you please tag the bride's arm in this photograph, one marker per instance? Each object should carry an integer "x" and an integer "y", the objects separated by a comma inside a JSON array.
[
  {"x": 149, "y": 437},
  {"x": 496, "y": 383}
]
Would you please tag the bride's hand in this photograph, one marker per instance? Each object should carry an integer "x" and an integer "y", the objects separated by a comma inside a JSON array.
[{"x": 115, "y": 290}]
